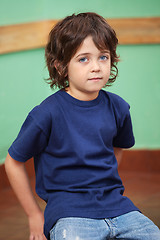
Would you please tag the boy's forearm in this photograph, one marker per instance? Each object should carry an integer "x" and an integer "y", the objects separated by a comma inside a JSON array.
[{"x": 20, "y": 183}]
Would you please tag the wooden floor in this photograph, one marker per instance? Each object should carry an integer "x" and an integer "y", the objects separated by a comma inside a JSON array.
[{"x": 142, "y": 188}]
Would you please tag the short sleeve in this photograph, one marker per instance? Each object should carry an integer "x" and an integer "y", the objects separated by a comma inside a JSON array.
[
  {"x": 124, "y": 137},
  {"x": 30, "y": 141}
]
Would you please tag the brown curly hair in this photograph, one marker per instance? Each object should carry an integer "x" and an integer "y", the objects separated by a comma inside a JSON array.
[{"x": 65, "y": 39}]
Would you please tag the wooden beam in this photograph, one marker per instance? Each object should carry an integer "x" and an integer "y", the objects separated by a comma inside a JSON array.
[
  {"x": 25, "y": 36},
  {"x": 137, "y": 30},
  {"x": 32, "y": 35}
]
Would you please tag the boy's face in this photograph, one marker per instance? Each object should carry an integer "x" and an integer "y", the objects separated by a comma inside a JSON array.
[{"x": 88, "y": 71}]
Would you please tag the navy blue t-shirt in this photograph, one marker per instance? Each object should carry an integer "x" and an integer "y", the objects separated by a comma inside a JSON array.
[{"x": 72, "y": 144}]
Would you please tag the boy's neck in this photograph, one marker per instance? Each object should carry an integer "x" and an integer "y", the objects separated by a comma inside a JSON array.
[{"x": 82, "y": 96}]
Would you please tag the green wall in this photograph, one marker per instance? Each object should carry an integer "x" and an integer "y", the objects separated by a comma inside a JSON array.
[
  {"x": 22, "y": 74},
  {"x": 18, "y": 11}
]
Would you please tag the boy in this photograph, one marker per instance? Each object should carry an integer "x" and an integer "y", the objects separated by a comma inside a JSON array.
[{"x": 76, "y": 137}]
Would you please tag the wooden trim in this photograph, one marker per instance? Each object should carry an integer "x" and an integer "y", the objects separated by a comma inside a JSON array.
[
  {"x": 25, "y": 36},
  {"x": 137, "y": 30},
  {"x": 144, "y": 161},
  {"x": 32, "y": 35}
]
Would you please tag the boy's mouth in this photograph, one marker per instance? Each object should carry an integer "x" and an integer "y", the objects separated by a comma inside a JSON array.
[{"x": 95, "y": 79}]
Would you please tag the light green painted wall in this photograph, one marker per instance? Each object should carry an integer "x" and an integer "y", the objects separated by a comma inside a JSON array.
[
  {"x": 18, "y": 11},
  {"x": 22, "y": 74},
  {"x": 107, "y": 8},
  {"x": 139, "y": 84}
]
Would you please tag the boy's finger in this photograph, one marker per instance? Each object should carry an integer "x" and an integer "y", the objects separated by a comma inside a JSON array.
[{"x": 31, "y": 237}]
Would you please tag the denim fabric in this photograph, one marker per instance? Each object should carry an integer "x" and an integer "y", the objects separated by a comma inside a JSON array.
[{"x": 130, "y": 226}]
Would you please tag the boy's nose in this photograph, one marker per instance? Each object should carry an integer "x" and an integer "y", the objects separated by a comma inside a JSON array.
[{"x": 95, "y": 66}]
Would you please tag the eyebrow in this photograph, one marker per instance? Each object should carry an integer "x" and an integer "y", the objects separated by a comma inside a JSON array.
[{"x": 84, "y": 54}]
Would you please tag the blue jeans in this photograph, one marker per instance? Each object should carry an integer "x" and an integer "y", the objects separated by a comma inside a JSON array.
[{"x": 130, "y": 226}]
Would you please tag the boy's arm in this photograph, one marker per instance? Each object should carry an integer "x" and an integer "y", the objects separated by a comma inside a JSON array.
[
  {"x": 118, "y": 154},
  {"x": 20, "y": 183}
]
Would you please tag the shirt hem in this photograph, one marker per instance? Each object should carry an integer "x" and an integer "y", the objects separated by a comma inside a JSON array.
[{"x": 101, "y": 214}]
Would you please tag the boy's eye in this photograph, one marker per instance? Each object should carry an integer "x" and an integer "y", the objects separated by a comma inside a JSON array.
[
  {"x": 84, "y": 59},
  {"x": 103, "y": 57}
]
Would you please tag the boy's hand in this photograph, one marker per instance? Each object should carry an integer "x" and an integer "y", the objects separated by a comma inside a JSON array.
[{"x": 36, "y": 223}]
